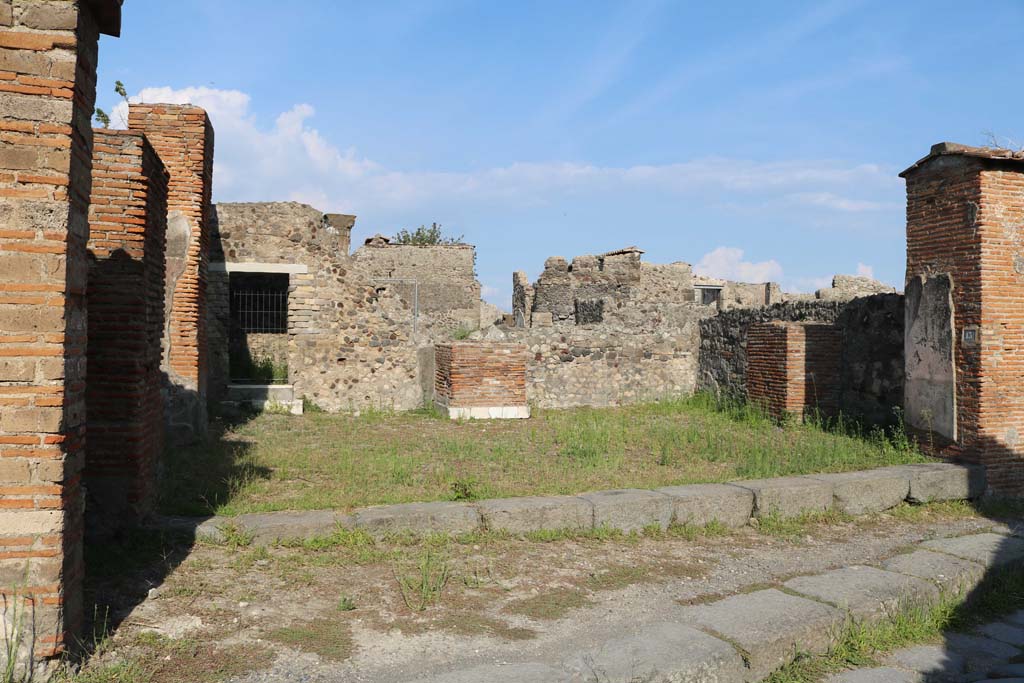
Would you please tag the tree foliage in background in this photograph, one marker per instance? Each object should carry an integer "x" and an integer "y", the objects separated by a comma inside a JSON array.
[{"x": 424, "y": 236}]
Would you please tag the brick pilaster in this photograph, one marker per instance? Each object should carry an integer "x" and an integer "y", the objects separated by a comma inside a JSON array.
[
  {"x": 965, "y": 209},
  {"x": 127, "y": 222},
  {"x": 48, "y": 56},
  {"x": 793, "y": 368},
  {"x": 183, "y": 138}
]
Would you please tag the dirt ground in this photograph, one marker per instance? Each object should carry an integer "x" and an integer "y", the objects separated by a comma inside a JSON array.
[{"x": 356, "y": 610}]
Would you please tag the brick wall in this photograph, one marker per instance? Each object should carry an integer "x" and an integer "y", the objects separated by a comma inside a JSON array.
[
  {"x": 793, "y": 368},
  {"x": 183, "y": 137},
  {"x": 471, "y": 375},
  {"x": 127, "y": 223},
  {"x": 48, "y": 56},
  {"x": 965, "y": 207},
  {"x": 768, "y": 367}
]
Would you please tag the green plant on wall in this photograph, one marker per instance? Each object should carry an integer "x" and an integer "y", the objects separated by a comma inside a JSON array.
[
  {"x": 424, "y": 236},
  {"x": 265, "y": 370}
]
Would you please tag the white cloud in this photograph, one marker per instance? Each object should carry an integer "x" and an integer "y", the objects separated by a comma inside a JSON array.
[
  {"x": 807, "y": 284},
  {"x": 728, "y": 263},
  {"x": 289, "y": 159},
  {"x": 865, "y": 270},
  {"x": 830, "y": 200}
]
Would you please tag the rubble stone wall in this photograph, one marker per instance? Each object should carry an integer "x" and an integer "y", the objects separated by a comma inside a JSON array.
[
  {"x": 574, "y": 367},
  {"x": 871, "y": 365},
  {"x": 352, "y": 341},
  {"x": 445, "y": 276}
]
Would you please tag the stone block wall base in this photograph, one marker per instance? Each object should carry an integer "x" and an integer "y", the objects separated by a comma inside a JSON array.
[{"x": 487, "y": 412}]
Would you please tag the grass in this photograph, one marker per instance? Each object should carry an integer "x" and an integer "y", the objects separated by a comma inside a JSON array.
[
  {"x": 774, "y": 524},
  {"x": 863, "y": 645},
  {"x": 322, "y": 461},
  {"x": 153, "y": 658},
  {"x": 329, "y": 639},
  {"x": 423, "y": 586}
]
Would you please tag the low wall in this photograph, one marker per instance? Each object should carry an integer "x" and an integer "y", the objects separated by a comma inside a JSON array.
[
  {"x": 574, "y": 367},
  {"x": 481, "y": 379},
  {"x": 871, "y": 355}
]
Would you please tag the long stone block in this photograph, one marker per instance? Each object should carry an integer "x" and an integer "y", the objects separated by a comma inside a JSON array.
[
  {"x": 950, "y": 573},
  {"x": 980, "y": 652},
  {"x": 933, "y": 482},
  {"x": 270, "y": 526},
  {"x": 420, "y": 518},
  {"x": 930, "y": 662},
  {"x": 32, "y": 522},
  {"x": 990, "y": 550},
  {"x": 662, "y": 653},
  {"x": 883, "y": 674},
  {"x": 530, "y": 672},
  {"x": 769, "y": 625},
  {"x": 858, "y": 493},
  {"x": 788, "y": 496},
  {"x": 866, "y": 592},
  {"x": 630, "y": 509},
  {"x": 522, "y": 515},
  {"x": 701, "y": 504}
]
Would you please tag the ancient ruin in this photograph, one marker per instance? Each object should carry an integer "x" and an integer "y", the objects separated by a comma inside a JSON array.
[
  {"x": 132, "y": 308},
  {"x": 349, "y": 331}
]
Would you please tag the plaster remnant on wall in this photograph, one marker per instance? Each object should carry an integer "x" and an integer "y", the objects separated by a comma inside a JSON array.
[
  {"x": 930, "y": 374},
  {"x": 179, "y": 241}
]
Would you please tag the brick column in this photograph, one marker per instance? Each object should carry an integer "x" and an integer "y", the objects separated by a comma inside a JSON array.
[
  {"x": 183, "y": 137},
  {"x": 48, "y": 55},
  {"x": 793, "y": 368},
  {"x": 965, "y": 307},
  {"x": 127, "y": 224},
  {"x": 481, "y": 380}
]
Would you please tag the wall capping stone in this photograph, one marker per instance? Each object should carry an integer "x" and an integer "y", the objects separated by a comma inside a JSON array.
[{"x": 229, "y": 267}]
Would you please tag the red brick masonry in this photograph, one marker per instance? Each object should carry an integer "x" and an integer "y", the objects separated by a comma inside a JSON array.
[
  {"x": 127, "y": 222},
  {"x": 793, "y": 368},
  {"x": 965, "y": 209},
  {"x": 481, "y": 379},
  {"x": 48, "y": 56},
  {"x": 183, "y": 137}
]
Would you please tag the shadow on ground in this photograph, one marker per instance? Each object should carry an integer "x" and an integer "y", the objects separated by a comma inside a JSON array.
[{"x": 122, "y": 569}]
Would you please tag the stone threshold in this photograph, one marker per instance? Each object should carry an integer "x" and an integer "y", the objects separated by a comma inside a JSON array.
[{"x": 734, "y": 505}]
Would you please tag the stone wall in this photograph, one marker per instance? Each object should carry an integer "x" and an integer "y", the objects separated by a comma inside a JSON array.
[
  {"x": 127, "y": 226},
  {"x": 567, "y": 368},
  {"x": 965, "y": 209},
  {"x": 444, "y": 276},
  {"x": 793, "y": 368},
  {"x": 871, "y": 366},
  {"x": 48, "y": 53},
  {"x": 352, "y": 341},
  {"x": 481, "y": 380},
  {"x": 183, "y": 137}
]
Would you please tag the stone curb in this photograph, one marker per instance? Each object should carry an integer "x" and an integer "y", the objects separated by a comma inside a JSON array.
[{"x": 733, "y": 504}]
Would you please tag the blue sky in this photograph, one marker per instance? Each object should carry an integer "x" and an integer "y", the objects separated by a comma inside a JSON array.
[{"x": 755, "y": 140}]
